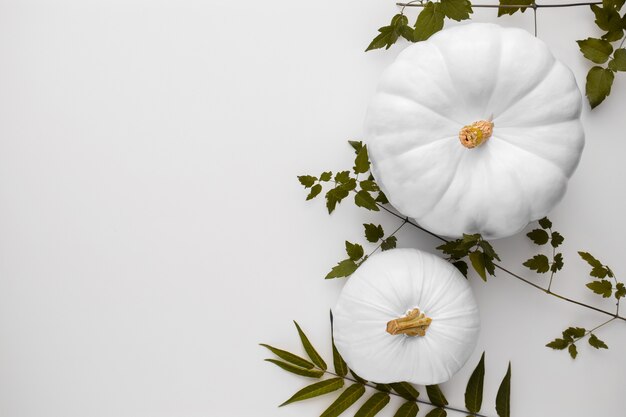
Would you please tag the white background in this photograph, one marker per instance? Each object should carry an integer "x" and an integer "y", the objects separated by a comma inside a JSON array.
[{"x": 152, "y": 230}]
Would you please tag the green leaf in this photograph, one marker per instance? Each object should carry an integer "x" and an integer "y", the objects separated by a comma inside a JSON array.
[
  {"x": 388, "y": 35},
  {"x": 558, "y": 344},
  {"x": 556, "y": 239},
  {"x": 545, "y": 223},
  {"x": 317, "y": 188},
  {"x": 456, "y": 9},
  {"x": 614, "y": 35},
  {"x": 478, "y": 262},
  {"x": 557, "y": 265},
  {"x": 389, "y": 243},
  {"x": 289, "y": 357},
  {"x": 407, "y": 33},
  {"x": 326, "y": 176},
  {"x": 383, "y": 387},
  {"x": 373, "y": 405},
  {"x": 354, "y": 251},
  {"x": 618, "y": 62},
  {"x": 310, "y": 350},
  {"x": 437, "y": 412},
  {"x": 358, "y": 378},
  {"x": 598, "y": 85},
  {"x": 435, "y": 395},
  {"x": 573, "y": 332},
  {"x": 344, "y": 268},
  {"x": 616, "y": 4},
  {"x": 538, "y": 236},
  {"x": 345, "y": 400},
  {"x": 356, "y": 145},
  {"x": 315, "y": 390},
  {"x": 362, "y": 162},
  {"x": 368, "y": 185},
  {"x": 511, "y": 10},
  {"x": 595, "y": 50},
  {"x": 408, "y": 409},
  {"x": 311, "y": 373},
  {"x": 474, "y": 389},
  {"x": 597, "y": 343},
  {"x": 365, "y": 199},
  {"x": 307, "y": 180},
  {"x": 341, "y": 368},
  {"x": 573, "y": 352},
  {"x": 373, "y": 232},
  {"x": 620, "y": 290},
  {"x": 488, "y": 250},
  {"x": 405, "y": 390},
  {"x": 607, "y": 18},
  {"x": 538, "y": 263},
  {"x": 461, "y": 266},
  {"x": 335, "y": 195},
  {"x": 429, "y": 21},
  {"x": 382, "y": 198},
  {"x": 602, "y": 287},
  {"x": 342, "y": 177},
  {"x": 590, "y": 259},
  {"x": 503, "y": 398}
]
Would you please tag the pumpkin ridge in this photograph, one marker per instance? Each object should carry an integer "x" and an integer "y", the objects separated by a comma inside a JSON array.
[
  {"x": 496, "y": 83},
  {"x": 549, "y": 161},
  {"x": 450, "y": 78},
  {"x": 397, "y": 95},
  {"x": 417, "y": 147}
]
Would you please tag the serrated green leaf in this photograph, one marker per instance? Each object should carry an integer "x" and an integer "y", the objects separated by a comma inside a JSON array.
[
  {"x": 488, "y": 249},
  {"x": 538, "y": 263},
  {"x": 408, "y": 409},
  {"x": 388, "y": 35},
  {"x": 309, "y": 349},
  {"x": 344, "y": 268},
  {"x": 545, "y": 223},
  {"x": 620, "y": 290},
  {"x": 538, "y": 236},
  {"x": 435, "y": 395},
  {"x": 368, "y": 185},
  {"x": 595, "y": 50},
  {"x": 362, "y": 162},
  {"x": 289, "y": 357},
  {"x": 614, "y": 35},
  {"x": 510, "y": 10},
  {"x": 407, "y": 33},
  {"x": 354, "y": 251},
  {"x": 602, "y": 287},
  {"x": 503, "y": 398},
  {"x": 573, "y": 352},
  {"x": 389, "y": 243},
  {"x": 315, "y": 390},
  {"x": 307, "y": 180},
  {"x": 558, "y": 344},
  {"x": 474, "y": 389},
  {"x": 373, "y": 405},
  {"x": 429, "y": 21},
  {"x": 461, "y": 266},
  {"x": 289, "y": 367},
  {"x": 478, "y": 263},
  {"x": 382, "y": 198},
  {"x": 437, "y": 412},
  {"x": 342, "y": 177},
  {"x": 405, "y": 390},
  {"x": 364, "y": 199},
  {"x": 335, "y": 196},
  {"x": 597, "y": 343},
  {"x": 607, "y": 18},
  {"x": 573, "y": 332},
  {"x": 326, "y": 176},
  {"x": 556, "y": 239},
  {"x": 618, "y": 62},
  {"x": 615, "y": 4},
  {"x": 557, "y": 265},
  {"x": 456, "y": 9},
  {"x": 341, "y": 368},
  {"x": 598, "y": 85},
  {"x": 344, "y": 401},
  {"x": 356, "y": 145},
  {"x": 373, "y": 232},
  {"x": 315, "y": 190},
  {"x": 586, "y": 256}
]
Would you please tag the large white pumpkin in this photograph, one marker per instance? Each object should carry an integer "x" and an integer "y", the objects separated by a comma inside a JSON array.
[
  {"x": 428, "y": 127},
  {"x": 380, "y": 332}
]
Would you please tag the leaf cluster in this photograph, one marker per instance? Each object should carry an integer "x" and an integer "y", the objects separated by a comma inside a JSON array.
[
  {"x": 481, "y": 254},
  {"x": 604, "y": 281},
  {"x": 570, "y": 336},
  {"x": 540, "y": 263}
]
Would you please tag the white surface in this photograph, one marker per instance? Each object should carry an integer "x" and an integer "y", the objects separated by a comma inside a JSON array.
[{"x": 152, "y": 231}]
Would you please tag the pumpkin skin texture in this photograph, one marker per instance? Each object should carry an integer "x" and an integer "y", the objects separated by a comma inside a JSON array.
[
  {"x": 470, "y": 73},
  {"x": 386, "y": 287}
]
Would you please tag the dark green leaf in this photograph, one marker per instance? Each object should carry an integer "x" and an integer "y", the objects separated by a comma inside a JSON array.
[
  {"x": 545, "y": 223},
  {"x": 341, "y": 368},
  {"x": 373, "y": 232},
  {"x": 345, "y": 400},
  {"x": 356, "y": 145},
  {"x": 289, "y": 357},
  {"x": 307, "y": 180},
  {"x": 595, "y": 50},
  {"x": 368, "y": 185},
  {"x": 362, "y": 162},
  {"x": 558, "y": 344},
  {"x": 354, "y": 251},
  {"x": 435, "y": 395},
  {"x": 365, "y": 199},
  {"x": 474, "y": 389},
  {"x": 437, "y": 412},
  {"x": 382, "y": 198},
  {"x": 429, "y": 21},
  {"x": 344, "y": 268},
  {"x": 405, "y": 390},
  {"x": 309, "y": 349},
  {"x": 358, "y": 378},
  {"x": 461, "y": 266},
  {"x": 334, "y": 196},
  {"x": 602, "y": 287},
  {"x": 488, "y": 250},
  {"x": 597, "y": 343},
  {"x": 389, "y": 243},
  {"x": 538, "y": 263},
  {"x": 598, "y": 85},
  {"x": 408, "y": 409},
  {"x": 613, "y": 36},
  {"x": 557, "y": 265},
  {"x": 538, "y": 236},
  {"x": 573, "y": 332},
  {"x": 620, "y": 290},
  {"x": 317, "y": 188},
  {"x": 478, "y": 262},
  {"x": 388, "y": 35},
  {"x": 456, "y": 9},
  {"x": 503, "y": 398},
  {"x": 315, "y": 390},
  {"x": 556, "y": 239},
  {"x": 607, "y": 18},
  {"x": 618, "y": 62},
  {"x": 573, "y": 352},
  {"x": 407, "y": 33},
  {"x": 383, "y": 387},
  {"x": 615, "y": 4},
  {"x": 342, "y": 177},
  {"x": 311, "y": 373},
  {"x": 326, "y": 176},
  {"x": 373, "y": 405},
  {"x": 511, "y": 10}
]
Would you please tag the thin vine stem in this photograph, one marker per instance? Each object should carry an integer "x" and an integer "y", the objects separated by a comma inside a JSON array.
[
  {"x": 588, "y": 332},
  {"x": 514, "y": 275},
  {"x": 367, "y": 384},
  {"x": 406, "y": 220},
  {"x": 510, "y": 6}
]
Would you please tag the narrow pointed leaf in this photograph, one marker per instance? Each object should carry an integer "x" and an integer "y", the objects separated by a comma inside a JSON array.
[
  {"x": 437, "y": 412},
  {"x": 315, "y": 390},
  {"x": 478, "y": 262},
  {"x": 503, "y": 398},
  {"x": 436, "y": 395},
  {"x": 474, "y": 390},
  {"x": 358, "y": 378},
  {"x": 289, "y": 357},
  {"x": 311, "y": 373},
  {"x": 383, "y": 387},
  {"x": 405, "y": 390},
  {"x": 310, "y": 350},
  {"x": 344, "y": 401},
  {"x": 373, "y": 405},
  {"x": 341, "y": 368},
  {"x": 408, "y": 409}
]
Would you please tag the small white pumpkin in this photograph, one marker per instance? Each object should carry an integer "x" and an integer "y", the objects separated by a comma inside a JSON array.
[
  {"x": 406, "y": 315},
  {"x": 475, "y": 130}
]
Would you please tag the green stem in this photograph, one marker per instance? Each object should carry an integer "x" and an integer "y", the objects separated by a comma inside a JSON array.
[
  {"x": 588, "y": 332},
  {"x": 510, "y": 6}
]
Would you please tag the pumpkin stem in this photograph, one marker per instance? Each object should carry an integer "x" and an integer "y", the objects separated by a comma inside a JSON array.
[
  {"x": 475, "y": 134},
  {"x": 413, "y": 324}
]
